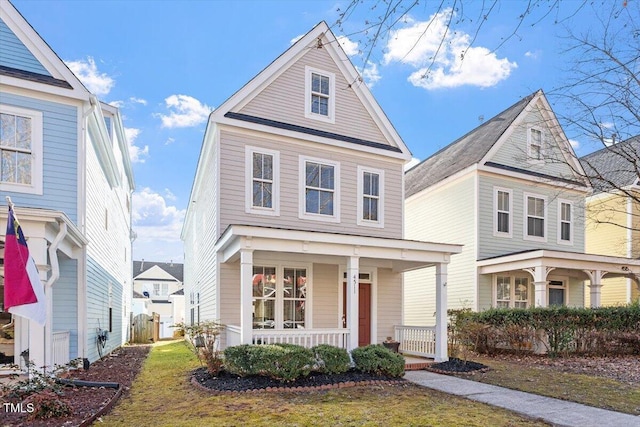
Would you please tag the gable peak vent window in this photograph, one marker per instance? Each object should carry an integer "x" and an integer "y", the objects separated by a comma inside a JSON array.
[{"x": 319, "y": 95}]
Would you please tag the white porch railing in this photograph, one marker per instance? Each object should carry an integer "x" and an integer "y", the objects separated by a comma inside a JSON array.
[
  {"x": 304, "y": 337},
  {"x": 60, "y": 348},
  {"x": 416, "y": 340}
]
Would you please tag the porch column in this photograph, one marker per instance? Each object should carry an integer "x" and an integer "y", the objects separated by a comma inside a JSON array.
[
  {"x": 540, "y": 293},
  {"x": 246, "y": 296},
  {"x": 352, "y": 301},
  {"x": 595, "y": 287},
  {"x": 441, "y": 313},
  {"x": 40, "y": 336}
]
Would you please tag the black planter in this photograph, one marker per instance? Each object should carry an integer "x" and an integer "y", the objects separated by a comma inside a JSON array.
[{"x": 393, "y": 345}]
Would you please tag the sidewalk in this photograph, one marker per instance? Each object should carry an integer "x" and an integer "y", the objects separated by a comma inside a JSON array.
[{"x": 557, "y": 412}]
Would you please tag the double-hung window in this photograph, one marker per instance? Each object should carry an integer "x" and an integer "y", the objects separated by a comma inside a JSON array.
[
  {"x": 535, "y": 139},
  {"x": 370, "y": 197},
  {"x": 565, "y": 222},
  {"x": 20, "y": 150},
  {"x": 502, "y": 219},
  {"x": 535, "y": 224},
  {"x": 279, "y": 297},
  {"x": 320, "y": 195},
  {"x": 262, "y": 181},
  {"x": 319, "y": 95},
  {"x": 511, "y": 291}
]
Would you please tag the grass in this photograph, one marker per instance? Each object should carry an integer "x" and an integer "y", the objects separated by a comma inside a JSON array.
[
  {"x": 162, "y": 395},
  {"x": 593, "y": 391}
]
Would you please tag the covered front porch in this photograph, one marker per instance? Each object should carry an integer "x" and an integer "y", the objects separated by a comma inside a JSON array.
[
  {"x": 541, "y": 277},
  {"x": 311, "y": 288}
]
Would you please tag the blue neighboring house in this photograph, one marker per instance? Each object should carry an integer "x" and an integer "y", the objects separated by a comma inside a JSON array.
[{"x": 66, "y": 167}]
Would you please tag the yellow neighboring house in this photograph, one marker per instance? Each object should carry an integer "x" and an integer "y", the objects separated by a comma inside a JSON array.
[{"x": 613, "y": 214}]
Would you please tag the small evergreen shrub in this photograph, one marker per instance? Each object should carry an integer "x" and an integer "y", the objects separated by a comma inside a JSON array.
[
  {"x": 378, "y": 360},
  {"x": 239, "y": 360},
  {"x": 331, "y": 360},
  {"x": 284, "y": 362}
]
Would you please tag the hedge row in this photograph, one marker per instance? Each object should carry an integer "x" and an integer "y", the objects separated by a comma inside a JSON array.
[
  {"x": 601, "y": 331},
  {"x": 287, "y": 362}
]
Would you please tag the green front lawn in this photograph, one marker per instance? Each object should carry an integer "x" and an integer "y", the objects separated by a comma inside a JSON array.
[{"x": 163, "y": 396}]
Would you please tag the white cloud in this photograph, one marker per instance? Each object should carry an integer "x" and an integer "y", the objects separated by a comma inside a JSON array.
[
  {"x": 98, "y": 83},
  {"x": 184, "y": 111},
  {"x": 575, "y": 144},
  {"x": 443, "y": 57},
  {"x": 371, "y": 74},
  {"x": 349, "y": 47},
  {"x": 295, "y": 39},
  {"x": 136, "y": 154},
  {"x": 117, "y": 104},
  {"x": 169, "y": 195},
  {"x": 157, "y": 226},
  {"x": 169, "y": 141},
  {"x": 129, "y": 102},
  {"x": 135, "y": 100},
  {"x": 411, "y": 163},
  {"x": 532, "y": 55}
]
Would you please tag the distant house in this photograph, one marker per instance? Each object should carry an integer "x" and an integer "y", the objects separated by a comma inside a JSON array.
[
  {"x": 158, "y": 287},
  {"x": 513, "y": 193},
  {"x": 612, "y": 225},
  {"x": 66, "y": 167},
  {"x": 294, "y": 226}
]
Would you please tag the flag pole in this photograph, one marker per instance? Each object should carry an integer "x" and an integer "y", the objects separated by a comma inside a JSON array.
[{"x": 9, "y": 202}]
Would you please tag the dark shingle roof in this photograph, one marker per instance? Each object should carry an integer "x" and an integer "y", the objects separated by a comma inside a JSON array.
[
  {"x": 173, "y": 268},
  {"x": 138, "y": 295},
  {"x": 178, "y": 292},
  {"x": 464, "y": 151},
  {"x": 616, "y": 166}
]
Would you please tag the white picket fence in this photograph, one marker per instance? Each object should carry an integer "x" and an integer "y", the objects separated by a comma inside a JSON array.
[{"x": 60, "y": 348}]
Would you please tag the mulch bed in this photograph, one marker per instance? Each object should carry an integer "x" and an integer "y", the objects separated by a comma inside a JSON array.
[
  {"x": 227, "y": 382},
  {"x": 457, "y": 366},
  {"x": 121, "y": 367}
]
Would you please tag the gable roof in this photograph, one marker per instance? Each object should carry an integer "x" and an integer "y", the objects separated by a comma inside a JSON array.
[
  {"x": 172, "y": 268},
  {"x": 319, "y": 36},
  {"x": 60, "y": 80},
  {"x": 614, "y": 167},
  {"x": 463, "y": 152}
]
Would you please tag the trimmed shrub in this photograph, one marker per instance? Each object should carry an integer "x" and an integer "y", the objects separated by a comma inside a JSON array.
[
  {"x": 330, "y": 359},
  {"x": 240, "y": 360},
  {"x": 378, "y": 360},
  {"x": 284, "y": 362}
]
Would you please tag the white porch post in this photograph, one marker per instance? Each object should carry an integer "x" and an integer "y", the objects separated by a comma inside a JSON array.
[
  {"x": 595, "y": 287},
  {"x": 541, "y": 293},
  {"x": 352, "y": 301},
  {"x": 441, "y": 313},
  {"x": 40, "y": 336},
  {"x": 246, "y": 296}
]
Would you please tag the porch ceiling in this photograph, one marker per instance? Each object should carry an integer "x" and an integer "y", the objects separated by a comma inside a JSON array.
[
  {"x": 614, "y": 266},
  {"x": 399, "y": 254}
]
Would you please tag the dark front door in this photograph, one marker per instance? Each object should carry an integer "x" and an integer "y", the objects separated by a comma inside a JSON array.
[{"x": 364, "y": 312}]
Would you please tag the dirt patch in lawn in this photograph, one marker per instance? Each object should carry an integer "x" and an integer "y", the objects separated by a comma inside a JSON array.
[{"x": 121, "y": 367}]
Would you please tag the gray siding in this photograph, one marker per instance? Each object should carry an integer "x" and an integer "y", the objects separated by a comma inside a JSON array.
[
  {"x": 98, "y": 280},
  {"x": 490, "y": 245},
  {"x": 60, "y": 157},
  {"x": 14, "y": 53},
  {"x": 326, "y": 279},
  {"x": 514, "y": 150},
  {"x": 284, "y": 101},
  {"x": 232, "y": 188},
  {"x": 230, "y": 293},
  {"x": 389, "y": 303},
  {"x": 65, "y": 303}
]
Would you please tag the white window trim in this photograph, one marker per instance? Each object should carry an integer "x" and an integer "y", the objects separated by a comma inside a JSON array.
[
  {"x": 530, "y": 157},
  {"x": 36, "y": 150},
  {"x": 249, "y": 208},
  {"x": 525, "y": 210},
  {"x": 560, "y": 241},
  {"x": 307, "y": 95},
  {"x": 564, "y": 287},
  {"x": 495, "y": 212},
  {"x": 302, "y": 211},
  {"x": 279, "y": 299},
  {"x": 512, "y": 281},
  {"x": 365, "y": 222}
]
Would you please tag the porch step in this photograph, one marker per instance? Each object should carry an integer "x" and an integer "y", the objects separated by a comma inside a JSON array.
[{"x": 416, "y": 366}]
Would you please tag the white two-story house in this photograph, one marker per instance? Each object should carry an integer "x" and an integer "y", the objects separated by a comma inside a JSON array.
[
  {"x": 513, "y": 193},
  {"x": 294, "y": 229},
  {"x": 66, "y": 168}
]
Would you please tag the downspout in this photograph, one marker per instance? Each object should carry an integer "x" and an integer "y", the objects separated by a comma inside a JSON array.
[{"x": 55, "y": 275}]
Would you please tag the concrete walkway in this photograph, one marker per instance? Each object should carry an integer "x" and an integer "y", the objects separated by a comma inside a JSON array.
[{"x": 557, "y": 412}]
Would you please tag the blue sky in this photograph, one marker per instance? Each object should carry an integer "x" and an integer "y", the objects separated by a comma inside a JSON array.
[{"x": 168, "y": 63}]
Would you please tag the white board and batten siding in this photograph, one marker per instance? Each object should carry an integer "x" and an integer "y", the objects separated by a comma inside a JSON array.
[
  {"x": 490, "y": 245},
  {"x": 232, "y": 188},
  {"x": 452, "y": 221},
  {"x": 109, "y": 275},
  {"x": 284, "y": 100},
  {"x": 59, "y": 162}
]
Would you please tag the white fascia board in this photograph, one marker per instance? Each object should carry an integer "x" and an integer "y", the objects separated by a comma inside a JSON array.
[
  {"x": 264, "y": 129},
  {"x": 102, "y": 143},
  {"x": 558, "y": 185},
  {"x": 40, "y": 49},
  {"x": 123, "y": 144},
  {"x": 45, "y": 88},
  {"x": 47, "y": 216}
]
